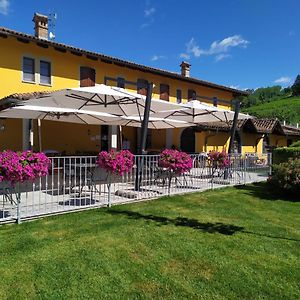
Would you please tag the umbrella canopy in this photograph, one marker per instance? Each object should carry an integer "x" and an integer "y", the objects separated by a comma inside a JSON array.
[
  {"x": 196, "y": 112},
  {"x": 58, "y": 114},
  {"x": 155, "y": 123},
  {"x": 85, "y": 117},
  {"x": 99, "y": 98}
]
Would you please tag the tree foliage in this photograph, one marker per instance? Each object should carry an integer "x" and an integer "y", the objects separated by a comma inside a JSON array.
[{"x": 296, "y": 86}]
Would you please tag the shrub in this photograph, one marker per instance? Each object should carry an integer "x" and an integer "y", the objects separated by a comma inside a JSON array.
[
  {"x": 295, "y": 144},
  {"x": 283, "y": 154},
  {"x": 286, "y": 176}
]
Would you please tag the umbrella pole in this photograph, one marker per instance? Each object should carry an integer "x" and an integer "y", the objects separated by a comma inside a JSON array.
[
  {"x": 234, "y": 125},
  {"x": 142, "y": 146},
  {"x": 39, "y": 121}
]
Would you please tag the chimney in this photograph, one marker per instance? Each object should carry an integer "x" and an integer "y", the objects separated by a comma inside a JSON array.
[
  {"x": 40, "y": 26},
  {"x": 185, "y": 69}
]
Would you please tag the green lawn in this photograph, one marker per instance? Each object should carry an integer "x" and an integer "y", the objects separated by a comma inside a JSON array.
[{"x": 234, "y": 243}]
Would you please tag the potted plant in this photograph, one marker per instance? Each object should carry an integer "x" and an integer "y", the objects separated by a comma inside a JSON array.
[
  {"x": 115, "y": 163},
  {"x": 175, "y": 162},
  {"x": 19, "y": 167}
]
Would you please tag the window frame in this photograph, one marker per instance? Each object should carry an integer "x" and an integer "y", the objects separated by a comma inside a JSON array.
[
  {"x": 162, "y": 87},
  {"x": 34, "y": 81},
  {"x": 179, "y": 100},
  {"x": 50, "y": 73}
]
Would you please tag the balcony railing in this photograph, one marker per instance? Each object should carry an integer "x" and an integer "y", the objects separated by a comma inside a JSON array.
[{"x": 77, "y": 183}]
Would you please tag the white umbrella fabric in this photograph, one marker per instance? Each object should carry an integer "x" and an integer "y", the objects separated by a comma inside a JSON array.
[
  {"x": 100, "y": 98},
  {"x": 85, "y": 117},
  {"x": 59, "y": 114},
  {"x": 154, "y": 123},
  {"x": 197, "y": 112}
]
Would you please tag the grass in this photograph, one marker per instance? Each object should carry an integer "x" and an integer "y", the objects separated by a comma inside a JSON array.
[
  {"x": 287, "y": 109},
  {"x": 234, "y": 243}
]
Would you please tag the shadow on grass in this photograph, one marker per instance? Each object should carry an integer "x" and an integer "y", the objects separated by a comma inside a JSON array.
[
  {"x": 265, "y": 191},
  {"x": 226, "y": 229}
]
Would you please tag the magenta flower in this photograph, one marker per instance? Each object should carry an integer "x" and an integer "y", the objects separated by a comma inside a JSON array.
[
  {"x": 118, "y": 163},
  {"x": 219, "y": 159},
  {"x": 21, "y": 166},
  {"x": 176, "y": 161}
]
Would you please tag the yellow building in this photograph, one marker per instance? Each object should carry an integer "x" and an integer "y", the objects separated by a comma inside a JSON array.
[{"x": 33, "y": 63}]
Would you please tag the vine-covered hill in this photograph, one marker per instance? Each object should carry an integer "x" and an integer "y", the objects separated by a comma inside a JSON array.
[{"x": 285, "y": 109}]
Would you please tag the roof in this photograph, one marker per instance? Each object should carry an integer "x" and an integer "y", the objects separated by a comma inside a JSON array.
[
  {"x": 291, "y": 130},
  {"x": 267, "y": 125},
  {"x": 4, "y": 32},
  {"x": 256, "y": 125},
  {"x": 220, "y": 126}
]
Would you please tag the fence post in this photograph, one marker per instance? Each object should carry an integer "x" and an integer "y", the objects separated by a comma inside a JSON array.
[
  {"x": 270, "y": 163},
  {"x": 18, "y": 198}
]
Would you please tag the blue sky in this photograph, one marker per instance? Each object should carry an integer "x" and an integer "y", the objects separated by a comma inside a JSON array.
[{"x": 238, "y": 43}]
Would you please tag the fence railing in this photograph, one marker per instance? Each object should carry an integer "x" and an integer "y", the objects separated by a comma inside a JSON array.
[{"x": 77, "y": 183}]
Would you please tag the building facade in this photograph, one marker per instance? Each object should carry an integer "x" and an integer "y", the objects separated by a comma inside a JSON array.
[{"x": 33, "y": 63}]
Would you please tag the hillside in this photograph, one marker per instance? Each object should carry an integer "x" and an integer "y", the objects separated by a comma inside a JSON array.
[{"x": 287, "y": 108}]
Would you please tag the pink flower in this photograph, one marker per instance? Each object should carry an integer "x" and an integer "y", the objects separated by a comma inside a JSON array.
[
  {"x": 21, "y": 166},
  {"x": 176, "y": 161},
  {"x": 118, "y": 163}
]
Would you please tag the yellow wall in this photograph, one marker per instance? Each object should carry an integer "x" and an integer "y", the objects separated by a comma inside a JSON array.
[
  {"x": 278, "y": 140},
  {"x": 251, "y": 142},
  {"x": 65, "y": 68}
]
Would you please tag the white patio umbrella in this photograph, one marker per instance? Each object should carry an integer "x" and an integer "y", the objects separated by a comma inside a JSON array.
[
  {"x": 99, "y": 98},
  {"x": 197, "y": 112},
  {"x": 154, "y": 123},
  {"x": 59, "y": 114}
]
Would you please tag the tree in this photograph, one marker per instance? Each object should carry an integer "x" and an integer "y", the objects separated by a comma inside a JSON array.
[{"x": 296, "y": 86}]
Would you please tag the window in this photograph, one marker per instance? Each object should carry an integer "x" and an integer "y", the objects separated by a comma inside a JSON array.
[
  {"x": 215, "y": 101},
  {"x": 121, "y": 82},
  {"x": 87, "y": 76},
  {"x": 142, "y": 86},
  {"x": 179, "y": 96},
  {"x": 192, "y": 95},
  {"x": 28, "y": 69},
  {"x": 45, "y": 72},
  {"x": 164, "y": 92}
]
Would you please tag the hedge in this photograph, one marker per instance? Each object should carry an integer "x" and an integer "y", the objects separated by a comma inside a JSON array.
[{"x": 283, "y": 154}]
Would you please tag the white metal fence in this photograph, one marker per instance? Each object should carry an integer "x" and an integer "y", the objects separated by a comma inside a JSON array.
[{"x": 77, "y": 183}]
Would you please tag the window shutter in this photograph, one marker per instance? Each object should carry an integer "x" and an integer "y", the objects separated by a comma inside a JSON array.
[
  {"x": 87, "y": 76},
  {"x": 164, "y": 92}
]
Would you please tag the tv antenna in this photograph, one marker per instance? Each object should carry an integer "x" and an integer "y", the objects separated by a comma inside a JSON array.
[{"x": 52, "y": 25}]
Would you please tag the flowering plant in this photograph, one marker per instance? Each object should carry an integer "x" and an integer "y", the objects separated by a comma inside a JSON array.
[
  {"x": 176, "y": 161},
  {"x": 21, "y": 166},
  {"x": 219, "y": 159},
  {"x": 118, "y": 163}
]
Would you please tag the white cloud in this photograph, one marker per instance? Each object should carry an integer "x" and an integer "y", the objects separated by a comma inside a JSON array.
[
  {"x": 222, "y": 56},
  {"x": 157, "y": 57},
  {"x": 193, "y": 48},
  {"x": 227, "y": 43},
  {"x": 184, "y": 56},
  {"x": 217, "y": 48},
  {"x": 4, "y": 7},
  {"x": 236, "y": 87},
  {"x": 283, "y": 80},
  {"x": 149, "y": 11}
]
